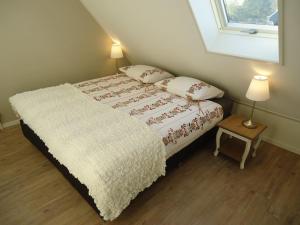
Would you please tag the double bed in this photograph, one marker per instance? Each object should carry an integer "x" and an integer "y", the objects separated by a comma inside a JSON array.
[{"x": 177, "y": 121}]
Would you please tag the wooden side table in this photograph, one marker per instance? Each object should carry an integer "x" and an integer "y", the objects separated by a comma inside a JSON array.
[{"x": 234, "y": 128}]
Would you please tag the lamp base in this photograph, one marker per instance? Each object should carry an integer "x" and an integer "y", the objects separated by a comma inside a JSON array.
[{"x": 249, "y": 124}]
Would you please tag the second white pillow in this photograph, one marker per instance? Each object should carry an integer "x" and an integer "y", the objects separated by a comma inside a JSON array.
[{"x": 190, "y": 88}]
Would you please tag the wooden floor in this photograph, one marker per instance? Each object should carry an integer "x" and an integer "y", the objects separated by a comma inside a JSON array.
[{"x": 202, "y": 190}]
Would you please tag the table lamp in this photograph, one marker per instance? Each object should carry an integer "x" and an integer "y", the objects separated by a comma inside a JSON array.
[
  {"x": 116, "y": 53},
  {"x": 257, "y": 91}
]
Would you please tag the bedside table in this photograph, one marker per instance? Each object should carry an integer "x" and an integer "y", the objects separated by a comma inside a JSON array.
[{"x": 233, "y": 127}]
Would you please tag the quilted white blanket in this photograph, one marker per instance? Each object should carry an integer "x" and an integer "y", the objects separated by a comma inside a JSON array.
[{"x": 115, "y": 155}]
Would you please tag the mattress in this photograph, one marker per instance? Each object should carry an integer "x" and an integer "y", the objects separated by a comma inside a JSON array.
[{"x": 177, "y": 120}]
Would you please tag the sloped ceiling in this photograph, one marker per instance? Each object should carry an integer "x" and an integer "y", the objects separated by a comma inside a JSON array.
[{"x": 164, "y": 33}]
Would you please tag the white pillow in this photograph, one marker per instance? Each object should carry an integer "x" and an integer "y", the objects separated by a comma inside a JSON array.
[
  {"x": 190, "y": 88},
  {"x": 146, "y": 74}
]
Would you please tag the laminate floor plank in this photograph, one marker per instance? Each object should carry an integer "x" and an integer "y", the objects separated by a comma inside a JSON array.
[{"x": 202, "y": 189}]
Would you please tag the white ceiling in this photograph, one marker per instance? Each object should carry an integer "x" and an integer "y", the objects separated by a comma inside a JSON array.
[{"x": 164, "y": 33}]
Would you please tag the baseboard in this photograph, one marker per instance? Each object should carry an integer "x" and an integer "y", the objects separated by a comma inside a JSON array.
[
  {"x": 281, "y": 145},
  {"x": 282, "y": 130},
  {"x": 10, "y": 123}
]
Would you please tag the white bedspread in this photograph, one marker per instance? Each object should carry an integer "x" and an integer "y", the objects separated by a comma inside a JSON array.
[{"x": 115, "y": 155}]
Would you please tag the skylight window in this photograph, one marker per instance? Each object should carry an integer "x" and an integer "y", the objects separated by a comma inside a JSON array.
[
  {"x": 248, "y": 16},
  {"x": 249, "y": 29}
]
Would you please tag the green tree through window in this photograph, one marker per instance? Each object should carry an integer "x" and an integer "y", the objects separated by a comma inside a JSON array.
[{"x": 250, "y": 11}]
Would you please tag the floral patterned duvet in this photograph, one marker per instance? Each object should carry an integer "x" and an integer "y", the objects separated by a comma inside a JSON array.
[{"x": 177, "y": 120}]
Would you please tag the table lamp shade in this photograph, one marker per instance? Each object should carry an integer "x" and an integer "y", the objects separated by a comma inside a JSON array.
[
  {"x": 258, "y": 89},
  {"x": 116, "y": 51}
]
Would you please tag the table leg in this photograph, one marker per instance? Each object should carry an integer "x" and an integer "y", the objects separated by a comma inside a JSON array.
[
  {"x": 246, "y": 152},
  {"x": 218, "y": 137},
  {"x": 256, "y": 146}
]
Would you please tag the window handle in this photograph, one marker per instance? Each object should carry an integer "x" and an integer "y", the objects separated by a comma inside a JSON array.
[{"x": 250, "y": 31}]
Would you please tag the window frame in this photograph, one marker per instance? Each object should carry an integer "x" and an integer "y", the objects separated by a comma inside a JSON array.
[
  {"x": 238, "y": 28},
  {"x": 236, "y": 44}
]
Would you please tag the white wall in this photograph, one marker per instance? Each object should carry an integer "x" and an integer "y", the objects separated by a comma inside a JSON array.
[
  {"x": 164, "y": 33},
  {"x": 45, "y": 43}
]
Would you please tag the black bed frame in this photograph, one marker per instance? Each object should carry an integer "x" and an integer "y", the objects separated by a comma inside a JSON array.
[{"x": 171, "y": 162}]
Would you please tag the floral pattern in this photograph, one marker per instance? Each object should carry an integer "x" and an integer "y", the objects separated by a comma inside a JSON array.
[
  {"x": 155, "y": 105},
  {"x": 196, "y": 124},
  {"x": 100, "y": 87},
  {"x": 197, "y": 87},
  {"x": 100, "y": 80},
  {"x": 169, "y": 114},
  {"x": 117, "y": 93},
  {"x": 173, "y": 117},
  {"x": 135, "y": 99},
  {"x": 150, "y": 72}
]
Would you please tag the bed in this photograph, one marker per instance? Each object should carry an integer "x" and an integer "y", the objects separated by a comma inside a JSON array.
[{"x": 176, "y": 120}]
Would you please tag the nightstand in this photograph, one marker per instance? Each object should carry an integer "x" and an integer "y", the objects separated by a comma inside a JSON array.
[{"x": 237, "y": 133}]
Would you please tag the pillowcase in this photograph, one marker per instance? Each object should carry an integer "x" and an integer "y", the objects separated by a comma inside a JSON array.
[
  {"x": 190, "y": 88},
  {"x": 146, "y": 74}
]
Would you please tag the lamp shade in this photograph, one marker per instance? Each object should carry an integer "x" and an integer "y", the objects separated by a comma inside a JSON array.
[
  {"x": 258, "y": 89},
  {"x": 116, "y": 51}
]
